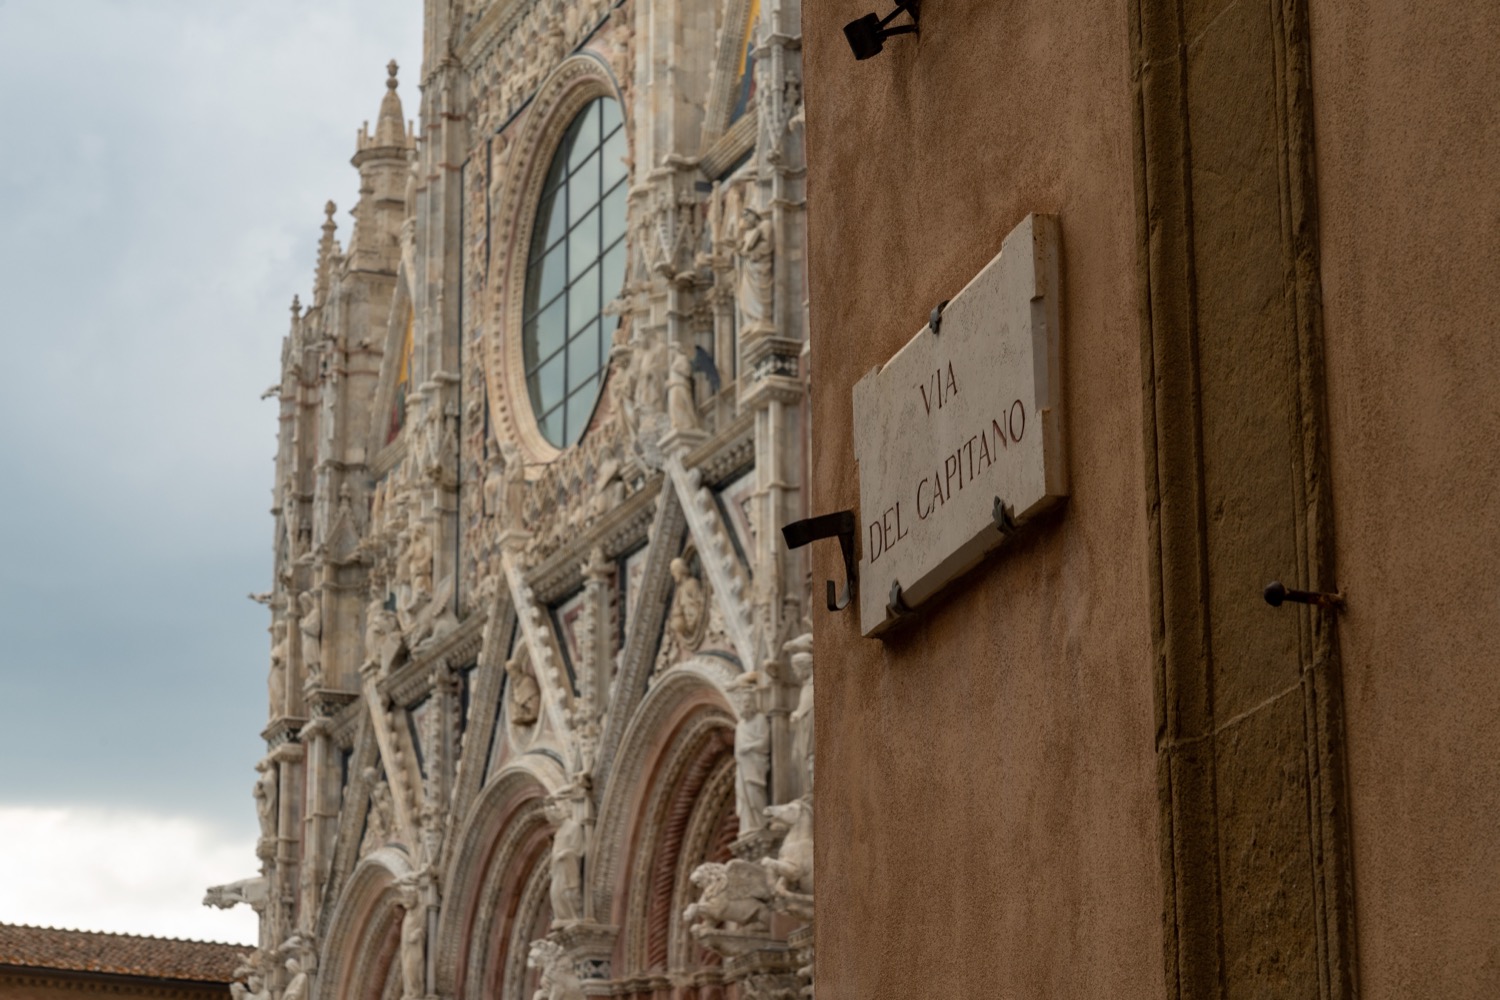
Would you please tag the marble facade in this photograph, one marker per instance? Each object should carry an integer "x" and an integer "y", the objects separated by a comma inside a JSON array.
[{"x": 539, "y": 718}]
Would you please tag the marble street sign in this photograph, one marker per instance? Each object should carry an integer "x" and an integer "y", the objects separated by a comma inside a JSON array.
[{"x": 957, "y": 419}]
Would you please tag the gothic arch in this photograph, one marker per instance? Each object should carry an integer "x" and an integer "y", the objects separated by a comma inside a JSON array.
[
  {"x": 577, "y": 80},
  {"x": 663, "y": 813},
  {"x": 359, "y": 955},
  {"x": 493, "y": 905}
]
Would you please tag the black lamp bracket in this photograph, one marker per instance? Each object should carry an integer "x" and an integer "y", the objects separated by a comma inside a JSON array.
[
  {"x": 867, "y": 35},
  {"x": 838, "y": 525}
]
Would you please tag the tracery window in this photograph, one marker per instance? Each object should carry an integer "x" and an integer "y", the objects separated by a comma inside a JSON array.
[{"x": 576, "y": 266}]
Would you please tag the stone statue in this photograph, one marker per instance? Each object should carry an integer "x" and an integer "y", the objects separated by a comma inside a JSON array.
[
  {"x": 569, "y": 842},
  {"x": 558, "y": 980},
  {"x": 381, "y": 821},
  {"x": 311, "y": 625},
  {"x": 735, "y": 896},
  {"x": 514, "y": 501},
  {"x": 419, "y": 559},
  {"x": 752, "y": 754},
  {"x": 755, "y": 251},
  {"x": 525, "y": 693},
  {"x": 253, "y": 988},
  {"x": 801, "y": 719},
  {"x": 413, "y": 945},
  {"x": 792, "y": 866},
  {"x": 383, "y": 639},
  {"x": 277, "y": 680},
  {"x": 682, "y": 412},
  {"x": 688, "y": 618},
  {"x": 494, "y": 486},
  {"x": 265, "y": 798},
  {"x": 296, "y": 987}
]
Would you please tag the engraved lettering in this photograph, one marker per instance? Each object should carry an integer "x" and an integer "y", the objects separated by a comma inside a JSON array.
[{"x": 876, "y": 542}]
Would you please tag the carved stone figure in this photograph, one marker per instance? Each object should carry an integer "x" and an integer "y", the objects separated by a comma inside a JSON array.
[
  {"x": 419, "y": 560},
  {"x": 253, "y": 988},
  {"x": 688, "y": 618},
  {"x": 681, "y": 410},
  {"x": 413, "y": 945},
  {"x": 383, "y": 639},
  {"x": 801, "y": 719},
  {"x": 381, "y": 822},
  {"x": 514, "y": 502},
  {"x": 734, "y": 896},
  {"x": 265, "y": 798},
  {"x": 569, "y": 842},
  {"x": 276, "y": 682},
  {"x": 792, "y": 866},
  {"x": 558, "y": 980},
  {"x": 297, "y": 986},
  {"x": 525, "y": 692},
  {"x": 752, "y": 754},
  {"x": 755, "y": 251},
  {"x": 310, "y": 623},
  {"x": 251, "y": 891}
]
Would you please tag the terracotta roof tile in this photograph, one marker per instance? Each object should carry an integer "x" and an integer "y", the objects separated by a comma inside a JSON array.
[{"x": 121, "y": 954}]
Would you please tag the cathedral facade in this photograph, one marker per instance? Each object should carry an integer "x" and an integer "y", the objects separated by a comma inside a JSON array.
[{"x": 540, "y": 672}]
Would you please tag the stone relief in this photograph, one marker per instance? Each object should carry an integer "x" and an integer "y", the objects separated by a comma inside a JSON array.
[
  {"x": 734, "y": 896},
  {"x": 525, "y": 693}
]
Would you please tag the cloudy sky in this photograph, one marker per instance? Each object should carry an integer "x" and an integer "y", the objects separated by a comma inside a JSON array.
[{"x": 164, "y": 168}]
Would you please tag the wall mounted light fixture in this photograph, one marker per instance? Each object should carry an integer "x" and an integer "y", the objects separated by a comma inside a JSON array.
[{"x": 867, "y": 34}]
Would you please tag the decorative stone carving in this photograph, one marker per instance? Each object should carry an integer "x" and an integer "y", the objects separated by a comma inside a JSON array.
[
  {"x": 265, "y": 799},
  {"x": 752, "y": 753},
  {"x": 565, "y": 811},
  {"x": 755, "y": 266},
  {"x": 792, "y": 866},
  {"x": 803, "y": 745},
  {"x": 688, "y": 618},
  {"x": 381, "y": 820},
  {"x": 734, "y": 896},
  {"x": 525, "y": 693},
  {"x": 413, "y": 944},
  {"x": 558, "y": 980},
  {"x": 297, "y": 985},
  {"x": 276, "y": 682},
  {"x": 310, "y": 623},
  {"x": 250, "y": 891},
  {"x": 253, "y": 988},
  {"x": 682, "y": 412}
]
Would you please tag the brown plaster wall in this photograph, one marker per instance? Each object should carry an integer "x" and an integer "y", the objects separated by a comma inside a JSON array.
[
  {"x": 1408, "y": 142},
  {"x": 49, "y": 985},
  {"x": 987, "y": 798}
]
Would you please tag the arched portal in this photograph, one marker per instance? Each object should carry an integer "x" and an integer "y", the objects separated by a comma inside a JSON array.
[
  {"x": 669, "y": 808},
  {"x": 359, "y": 955},
  {"x": 497, "y": 903}
]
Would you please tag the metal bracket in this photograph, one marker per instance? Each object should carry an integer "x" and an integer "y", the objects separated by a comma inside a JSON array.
[
  {"x": 1277, "y": 593},
  {"x": 1005, "y": 518},
  {"x": 935, "y": 321},
  {"x": 838, "y": 525},
  {"x": 896, "y": 606}
]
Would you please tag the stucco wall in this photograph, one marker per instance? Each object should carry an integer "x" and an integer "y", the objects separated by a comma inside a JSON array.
[
  {"x": 1408, "y": 142},
  {"x": 986, "y": 781}
]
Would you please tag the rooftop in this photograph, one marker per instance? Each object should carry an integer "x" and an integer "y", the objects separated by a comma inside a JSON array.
[{"x": 118, "y": 954}]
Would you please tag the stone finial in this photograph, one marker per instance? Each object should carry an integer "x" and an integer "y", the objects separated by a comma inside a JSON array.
[
  {"x": 327, "y": 250},
  {"x": 391, "y": 69}
]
